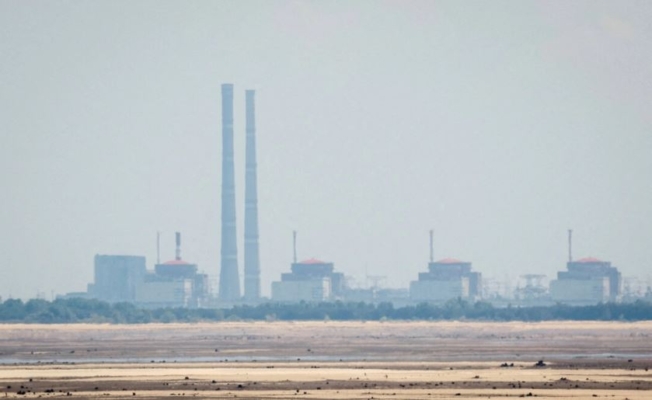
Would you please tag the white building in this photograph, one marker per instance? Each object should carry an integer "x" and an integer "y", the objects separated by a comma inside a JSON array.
[
  {"x": 439, "y": 291},
  {"x": 310, "y": 280},
  {"x": 316, "y": 289},
  {"x": 155, "y": 294},
  {"x": 445, "y": 280},
  {"x": 587, "y": 281},
  {"x": 580, "y": 291}
]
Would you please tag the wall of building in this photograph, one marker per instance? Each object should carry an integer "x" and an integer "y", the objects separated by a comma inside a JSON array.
[
  {"x": 439, "y": 291},
  {"x": 447, "y": 279},
  {"x": 587, "y": 268},
  {"x": 116, "y": 277},
  {"x": 308, "y": 290},
  {"x": 580, "y": 291},
  {"x": 156, "y": 294}
]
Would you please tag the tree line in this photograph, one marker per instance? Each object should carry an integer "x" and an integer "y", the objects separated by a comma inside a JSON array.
[{"x": 95, "y": 311}]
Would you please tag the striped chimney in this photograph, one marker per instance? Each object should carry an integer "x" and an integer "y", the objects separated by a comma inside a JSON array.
[
  {"x": 251, "y": 257},
  {"x": 229, "y": 279}
]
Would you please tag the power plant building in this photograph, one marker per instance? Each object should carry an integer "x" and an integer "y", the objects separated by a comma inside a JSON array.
[
  {"x": 117, "y": 277},
  {"x": 587, "y": 281},
  {"x": 310, "y": 280},
  {"x": 175, "y": 283},
  {"x": 155, "y": 293},
  {"x": 445, "y": 280}
]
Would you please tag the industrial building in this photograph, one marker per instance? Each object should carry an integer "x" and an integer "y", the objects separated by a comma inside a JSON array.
[
  {"x": 310, "y": 280},
  {"x": 447, "y": 279},
  {"x": 399, "y": 297},
  {"x": 117, "y": 278},
  {"x": 587, "y": 281},
  {"x": 531, "y": 291},
  {"x": 174, "y": 283}
]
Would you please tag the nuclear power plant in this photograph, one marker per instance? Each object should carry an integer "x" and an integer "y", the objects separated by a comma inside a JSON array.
[{"x": 177, "y": 283}]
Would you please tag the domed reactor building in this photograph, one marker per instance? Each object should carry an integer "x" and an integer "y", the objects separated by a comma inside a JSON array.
[
  {"x": 445, "y": 280},
  {"x": 586, "y": 281},
  {"x": 175, "y": 283}
]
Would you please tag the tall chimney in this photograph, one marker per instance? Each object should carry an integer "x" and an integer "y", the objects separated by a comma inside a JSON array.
[
  {"x": 229, "y": 279},
  {"x": 570, "y": 245},
  {"x": 294, "y": 247},
  {"x": 158, "y": 247},
  {"x": 251, "y": 256},
  {"x": 177, "y": 252},
  {"x": 432, "y": 253}
]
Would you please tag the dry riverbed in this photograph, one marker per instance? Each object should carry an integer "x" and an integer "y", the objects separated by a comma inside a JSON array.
[{"x": 328, "y": 360}]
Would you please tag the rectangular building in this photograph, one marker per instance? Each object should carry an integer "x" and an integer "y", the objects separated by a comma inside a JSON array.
[
  {"x": 158, "y": 294},
  {"x": 587, "y": 281},
  {"x": 310, "y": 280},
  {"x": 439, "y": 291},
  {"x": 580, "y": 291},
  {"x": 445, "y": 280},
  {"x": 313, "y": 290},
  {"x": 116, "y": 277}
]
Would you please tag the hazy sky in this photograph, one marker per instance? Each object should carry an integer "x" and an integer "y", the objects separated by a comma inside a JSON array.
[{"x": 497, "y": 124}]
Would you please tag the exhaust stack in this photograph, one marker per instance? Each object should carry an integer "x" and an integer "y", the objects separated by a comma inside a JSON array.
[
  {"x": 177, "y": 251},
  {"x": 432, "y": 252},
  {"x": 251, "y": 246},
  {"x": 294, "y": 246},
  {"x": 570, "y": 245},
  {"x": 229, "y": 279}
]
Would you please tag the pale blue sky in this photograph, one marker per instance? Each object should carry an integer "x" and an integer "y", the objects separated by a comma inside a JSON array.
[{"x": 497, "y": 124}]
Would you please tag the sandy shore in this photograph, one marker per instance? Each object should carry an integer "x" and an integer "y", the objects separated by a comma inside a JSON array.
[{"x": 328, "y": 360}]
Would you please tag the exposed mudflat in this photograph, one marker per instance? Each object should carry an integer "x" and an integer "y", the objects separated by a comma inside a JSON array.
[{"x": 329, "y": 360}]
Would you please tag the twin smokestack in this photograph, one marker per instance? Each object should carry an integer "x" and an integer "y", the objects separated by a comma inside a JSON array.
[{"x": 229, "y": 290}]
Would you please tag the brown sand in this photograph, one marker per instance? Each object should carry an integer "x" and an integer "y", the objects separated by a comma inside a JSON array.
[{"x": 328, "y": 360}]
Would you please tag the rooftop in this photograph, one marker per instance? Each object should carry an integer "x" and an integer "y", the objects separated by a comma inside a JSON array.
[
  {"x": 589, "y": 260},
  {"x": 176, "y": 262},
  {"x": 449, "y": 261},
  {"x": 312, "y": 261}
]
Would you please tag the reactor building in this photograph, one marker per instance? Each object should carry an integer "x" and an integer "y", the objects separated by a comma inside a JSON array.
[
  {"x": 174, "y": 283},
  {"x": 311, "y": 280},
  {"x": 587, "y": 281},
  {"x": 446, "y": 279}
]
